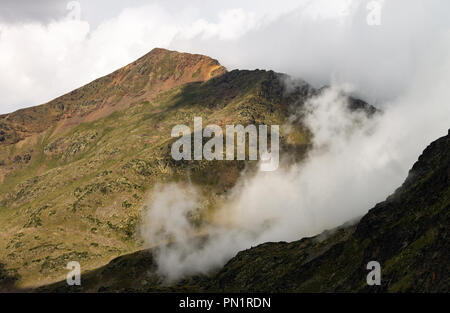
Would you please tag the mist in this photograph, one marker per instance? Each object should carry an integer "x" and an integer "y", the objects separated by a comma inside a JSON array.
[
  {"x": 401, "y": 66},
  {"x": 355, "y": 162}
]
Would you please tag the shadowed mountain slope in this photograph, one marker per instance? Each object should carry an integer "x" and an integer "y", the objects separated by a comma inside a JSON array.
[{"x": 408, "y": 234}]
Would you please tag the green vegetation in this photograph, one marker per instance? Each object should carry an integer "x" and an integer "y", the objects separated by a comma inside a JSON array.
[{"x": 81, "y": 189}]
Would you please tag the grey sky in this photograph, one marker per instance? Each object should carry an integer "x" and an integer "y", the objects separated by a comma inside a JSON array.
[
  {"x": 96, "y": 11},
  {"x": 20, "y": 11}
]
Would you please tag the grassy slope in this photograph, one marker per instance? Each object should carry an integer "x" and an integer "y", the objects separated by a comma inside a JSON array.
[{"x": 407, "y": 234}]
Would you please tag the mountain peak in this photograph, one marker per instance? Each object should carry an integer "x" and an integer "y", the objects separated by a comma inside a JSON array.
[
  {"x": 155, "y": 72},
  {"x": 159, "y": 50},
  {"x": 178, "y": 67}
]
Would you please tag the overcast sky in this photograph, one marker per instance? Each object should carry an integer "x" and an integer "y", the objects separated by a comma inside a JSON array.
[{"x": 50, "y": 47}]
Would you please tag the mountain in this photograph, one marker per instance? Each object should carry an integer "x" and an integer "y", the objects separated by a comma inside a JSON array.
[
  {"x": 408, "y": 234},
  {"x": 76, "y": 172}
]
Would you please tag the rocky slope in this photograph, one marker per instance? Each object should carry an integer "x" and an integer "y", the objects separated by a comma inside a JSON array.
[{"x": 408, "y": 234}]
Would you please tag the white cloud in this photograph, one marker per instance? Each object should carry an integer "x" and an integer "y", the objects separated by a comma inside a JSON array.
[
  {"x": 42, "y": 61},
  {"x": 232, "y": 24}
]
